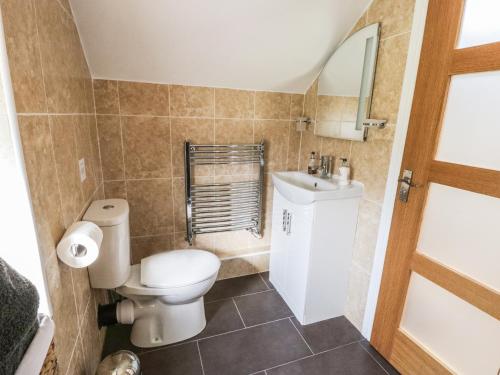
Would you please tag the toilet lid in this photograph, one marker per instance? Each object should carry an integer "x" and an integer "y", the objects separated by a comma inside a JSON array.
[{"x": 177, "y": 268}]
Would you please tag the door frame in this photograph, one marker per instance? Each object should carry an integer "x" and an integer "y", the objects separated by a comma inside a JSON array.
[
  {"x": 403, "y": 120},
  {"x": 441, "y": 60}
]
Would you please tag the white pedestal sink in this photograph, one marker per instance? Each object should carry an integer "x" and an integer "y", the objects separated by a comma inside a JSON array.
[{"x": 314, "y": 224}]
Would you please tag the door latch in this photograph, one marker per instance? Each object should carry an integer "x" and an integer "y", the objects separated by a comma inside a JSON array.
[{"x": 406, "y": 184}]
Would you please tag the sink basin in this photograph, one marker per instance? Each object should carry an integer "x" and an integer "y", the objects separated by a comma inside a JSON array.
[{"x": 302, "y": 188}]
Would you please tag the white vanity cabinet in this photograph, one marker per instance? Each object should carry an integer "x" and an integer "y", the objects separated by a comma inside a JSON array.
[{"x": 314, "y": 224}]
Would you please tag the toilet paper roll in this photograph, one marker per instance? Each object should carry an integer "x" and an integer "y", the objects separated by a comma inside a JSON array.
[{"x": 80, "y": 245}]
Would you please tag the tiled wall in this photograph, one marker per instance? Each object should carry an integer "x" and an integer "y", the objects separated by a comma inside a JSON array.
[
  {"x": 55, "y": 105},
  {"x": 369, "y": 160},
  {"x": 142, "y": 128}
]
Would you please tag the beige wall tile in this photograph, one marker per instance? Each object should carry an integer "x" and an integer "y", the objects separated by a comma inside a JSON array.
[
  {"x": 151, "y": 207},
  {"x": 234, "y": 131},
  {"x": 65, "y": 5},
  {"x": 395, "y": 15},
  {"x": 143, "y": 98},
  {"x": 275, "y": 135},
  {"x": 370, "y": 164},
  {"x": 310, "y": 101},
  {"x": 234, "y": 103},
  {"x": 42, "y": 176},
  {"x": 115, "y": 189},
  {"x": 366, "y": 234},
  {"x": 272, "y": 105},
  {"x": 63, "y": 138},
  {"x": 110, "y": 141},
  {"x": 63, "y": 68},
  {"x": 389, "y": 78},
  {"x": 294, "y": 136},
  {"x": 94, "y": 143},
  {"x": 91, "y": 341},
  {"x": 145, "y": 246},
  {"x": 24, "y": 55},
  {"x": 77, "y": 365},
  {"x": 46, "y": 59},
  {"x": 60, "y": 286},
  {"x": 243, "y": 266},
  {"x": 296, "y": 106},
  {"x": 147, "y": 147},
  {"x": 359, "y": 282},
  {"x": 227, "y": 244},
  {"x": 178, "y": 190},
  {"x": 198, "y": 131},
  {"x": 106, "y": 97},
  {"x": 81, "y": 287},
  {"x": 84, "y": 151},
  {"x": 191, "y": 101}
]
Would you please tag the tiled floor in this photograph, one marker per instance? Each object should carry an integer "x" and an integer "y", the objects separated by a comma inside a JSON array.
[{"x": 250, "y": 330}]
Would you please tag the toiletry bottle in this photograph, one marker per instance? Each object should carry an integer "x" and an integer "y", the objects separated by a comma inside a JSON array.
[
  {"x": 344, "y": 172},
  {"x": 312, "y": 167}
]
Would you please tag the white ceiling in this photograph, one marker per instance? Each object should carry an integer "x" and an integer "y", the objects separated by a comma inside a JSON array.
[{"x": 275, "y": 45}]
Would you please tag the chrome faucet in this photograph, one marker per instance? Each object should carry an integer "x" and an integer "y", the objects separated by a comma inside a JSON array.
[{"x": 325, "y": 166}]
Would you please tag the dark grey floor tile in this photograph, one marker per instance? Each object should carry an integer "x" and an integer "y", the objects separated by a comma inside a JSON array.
[
  {"x": 222, "y": 317},
  {"x": 253, "y": 349},
  {"x": 351, "y": 359},
  {"x": 235, "y": 287},
  {"x": 262, "y": 307},
  {"x": 265, "y": 276},
  {"x": 118, "y": 338},
  {"x": 175, "y": 360},
  {"x": 381, "y": 360},
  {"x": 328, "y": 334}
]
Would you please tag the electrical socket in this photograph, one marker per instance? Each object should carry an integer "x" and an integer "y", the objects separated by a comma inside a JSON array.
[{"x": 83, "y": 173}]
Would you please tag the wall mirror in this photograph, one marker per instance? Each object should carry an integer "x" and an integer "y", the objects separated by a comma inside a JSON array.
[{"x": 345, "y": 87}]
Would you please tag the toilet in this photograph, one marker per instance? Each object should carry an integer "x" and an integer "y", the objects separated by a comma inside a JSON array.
[{"x": 163, "y": 295}]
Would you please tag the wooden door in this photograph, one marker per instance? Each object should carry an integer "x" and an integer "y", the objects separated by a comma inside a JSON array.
[{"x": 438, "y": 309}]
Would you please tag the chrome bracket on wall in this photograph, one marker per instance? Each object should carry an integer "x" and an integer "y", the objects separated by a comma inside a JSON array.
[
  {"x": 223, "y": 207},
  {"x": 371, "y": 123}
]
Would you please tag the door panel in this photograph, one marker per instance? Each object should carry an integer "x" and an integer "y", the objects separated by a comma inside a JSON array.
[
  {"x": 480, "y": 23},
  {"x": 460, "y": 335},
  {"x": 439, "y": 304},
  {"x": 461, "y": 229},
  {"x": 470, "y": 132}
]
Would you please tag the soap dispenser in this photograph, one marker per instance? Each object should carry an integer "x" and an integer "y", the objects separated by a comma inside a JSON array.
[
  {"x": 344, "y": 172},
  {"x": 312, "y": 167}
]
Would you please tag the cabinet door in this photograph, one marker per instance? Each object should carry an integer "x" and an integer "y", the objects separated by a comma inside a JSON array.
[
  {"x": 297, "y": 250},
  {"x": 277, "y": 264}
]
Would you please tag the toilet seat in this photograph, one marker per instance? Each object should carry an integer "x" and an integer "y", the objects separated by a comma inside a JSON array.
[{"x": 167, "y": 272}]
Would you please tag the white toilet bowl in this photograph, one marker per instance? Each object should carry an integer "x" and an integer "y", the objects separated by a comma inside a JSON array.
[
  {"x": 164, "y": 293},
  {"x": 165, "y": 296}
]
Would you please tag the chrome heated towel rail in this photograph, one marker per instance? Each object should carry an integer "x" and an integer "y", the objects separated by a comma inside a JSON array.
[{"x": 222, "y": 207}]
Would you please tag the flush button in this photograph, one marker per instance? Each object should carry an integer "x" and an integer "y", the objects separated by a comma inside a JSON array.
[{"x": 108, "y": 207}]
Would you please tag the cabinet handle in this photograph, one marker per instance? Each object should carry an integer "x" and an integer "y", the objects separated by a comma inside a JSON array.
[
  {"x": 283, "y": 224},
  {"x": 289, "y": 224}
]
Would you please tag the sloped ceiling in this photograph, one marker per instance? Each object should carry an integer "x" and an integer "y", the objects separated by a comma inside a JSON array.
[{"x": 275, "y": 45}]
